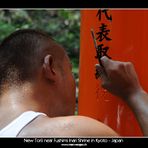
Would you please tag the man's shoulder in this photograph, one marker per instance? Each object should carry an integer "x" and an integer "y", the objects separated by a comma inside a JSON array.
[{"x": 67, "y": 126}]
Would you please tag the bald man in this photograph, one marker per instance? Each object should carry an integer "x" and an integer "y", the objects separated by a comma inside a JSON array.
[{"x": 37, "y": 89}]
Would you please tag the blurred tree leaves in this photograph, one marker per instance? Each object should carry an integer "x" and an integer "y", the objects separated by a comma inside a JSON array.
[{"x": 63, "y": 25}]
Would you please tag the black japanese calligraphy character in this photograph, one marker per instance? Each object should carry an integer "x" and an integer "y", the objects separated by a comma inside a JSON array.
[
  {"x": 102, "y": 34},
  {"x": 106, "y": 14},
  {"x": 97, "y": 74},
  {"x": 102, "y": 51}
]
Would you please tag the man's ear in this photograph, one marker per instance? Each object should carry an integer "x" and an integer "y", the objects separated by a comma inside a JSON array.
[{"x": 48, "y": 67}]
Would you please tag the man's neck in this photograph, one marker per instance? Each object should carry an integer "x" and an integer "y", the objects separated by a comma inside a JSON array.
[
  {"x": 36, "y": 97},
  {"x": 18, "y": 98}
]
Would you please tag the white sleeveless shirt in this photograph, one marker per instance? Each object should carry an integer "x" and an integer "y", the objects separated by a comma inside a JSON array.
[{"x": 14, "y": 128}]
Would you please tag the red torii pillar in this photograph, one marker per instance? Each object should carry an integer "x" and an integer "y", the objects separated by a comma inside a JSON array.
[{"x": 129, "y": 33}]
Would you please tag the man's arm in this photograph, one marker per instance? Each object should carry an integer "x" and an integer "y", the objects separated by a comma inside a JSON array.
[
  {"x": 120, "y": 79},
  {"x": 139, "y": 104}
]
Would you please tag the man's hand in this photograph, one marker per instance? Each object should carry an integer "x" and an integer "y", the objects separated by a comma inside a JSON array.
[{"x": 119, "y": 78}]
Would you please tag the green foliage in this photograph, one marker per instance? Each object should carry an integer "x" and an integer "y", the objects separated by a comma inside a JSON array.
[
  {"x": 5, "y": 29},
  {"x": 63, "y": 25}
]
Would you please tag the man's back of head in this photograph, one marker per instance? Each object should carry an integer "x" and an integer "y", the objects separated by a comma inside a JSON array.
[{"x": 22, "y": 53}]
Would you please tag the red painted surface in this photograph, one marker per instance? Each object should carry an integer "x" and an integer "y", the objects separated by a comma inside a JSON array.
[{"x": 129, "y": 33}]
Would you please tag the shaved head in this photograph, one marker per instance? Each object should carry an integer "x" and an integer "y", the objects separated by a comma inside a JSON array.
[{"x": 22, "y": 53}]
